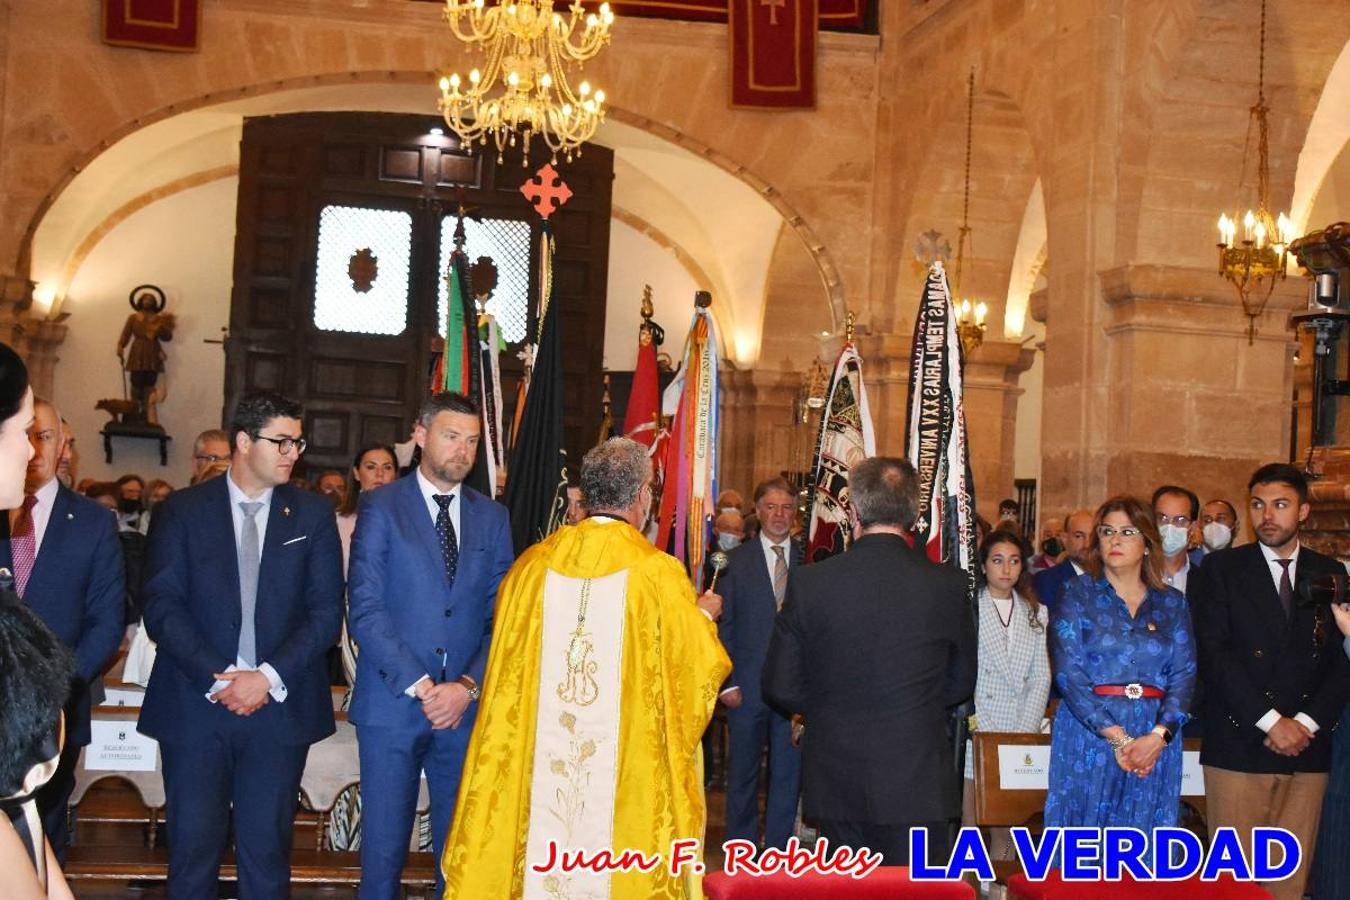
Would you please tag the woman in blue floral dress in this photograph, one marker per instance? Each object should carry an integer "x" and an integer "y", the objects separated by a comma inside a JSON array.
[{"x": 1124, "y": 660}]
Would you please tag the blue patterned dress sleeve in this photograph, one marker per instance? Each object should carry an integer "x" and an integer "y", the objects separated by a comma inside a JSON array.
[{"x": 1094, "y": 641}]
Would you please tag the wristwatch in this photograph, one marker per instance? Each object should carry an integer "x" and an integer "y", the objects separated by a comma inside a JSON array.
[
  {"x": 1163, "y": 732},
  {"x": 474, "y": 690}
]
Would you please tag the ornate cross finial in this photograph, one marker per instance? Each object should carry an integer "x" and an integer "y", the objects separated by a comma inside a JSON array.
[
  {"x": 848, "y": 329},
  {"x": 546, "y": 191}
]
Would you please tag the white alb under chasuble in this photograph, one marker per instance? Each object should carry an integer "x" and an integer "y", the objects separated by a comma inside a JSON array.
[{"x": 573, "y": 781}]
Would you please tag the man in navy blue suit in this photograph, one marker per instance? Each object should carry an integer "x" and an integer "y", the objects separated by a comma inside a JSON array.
[
  {"x": 752, "y": 589},
  {"x": 67, "y": 564},
  {"x": 1076, "y": 538},
  {"x": 243, "y": 594},
  {"x": 426, "y": 559}
]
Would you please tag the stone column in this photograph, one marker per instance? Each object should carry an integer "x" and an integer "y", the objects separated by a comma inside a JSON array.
[
  {"x": 757, "y": 430},
  {"x": 990, "y": 396},
  {"x": 991, "y": 393},
  {"x": 35, "y": 339},
  {"x": 1187, "y": 399}
]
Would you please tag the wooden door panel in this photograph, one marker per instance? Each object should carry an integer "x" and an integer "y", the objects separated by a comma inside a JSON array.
[{"x": 361, "y": 388}]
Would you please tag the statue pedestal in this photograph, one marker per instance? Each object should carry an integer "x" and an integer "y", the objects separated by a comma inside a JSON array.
[{"x": 137, "y": 432}]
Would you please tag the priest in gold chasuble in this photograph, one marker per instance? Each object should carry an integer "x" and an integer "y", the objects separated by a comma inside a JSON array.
[{"x": 585, "y": 770}]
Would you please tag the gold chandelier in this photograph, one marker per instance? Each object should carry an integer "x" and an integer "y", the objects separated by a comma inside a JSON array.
[
  {"x": 1254, "y": 264},
  {"x": 522, "y": 89}
]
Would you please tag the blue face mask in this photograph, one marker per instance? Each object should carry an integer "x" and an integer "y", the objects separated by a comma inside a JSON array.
[
  {"x": 727, "y": 541},
  {"x": 1174, "y": 539}
]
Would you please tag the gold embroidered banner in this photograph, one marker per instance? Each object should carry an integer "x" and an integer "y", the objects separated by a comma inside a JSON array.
[
  {"x": 152, "y": 24},
  {"x": 773, "y": 54}
]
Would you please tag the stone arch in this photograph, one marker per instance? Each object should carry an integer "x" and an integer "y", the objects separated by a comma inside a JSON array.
[
  {"x": 1328, "y": 136},
  {"x": 393, "y": 87}
]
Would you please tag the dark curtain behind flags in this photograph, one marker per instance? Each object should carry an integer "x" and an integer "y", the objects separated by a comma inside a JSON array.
[
  {"x": 935, "y": 437},
  {"x": 845, "y": 438},
  {"x": 536, "y": 485}
]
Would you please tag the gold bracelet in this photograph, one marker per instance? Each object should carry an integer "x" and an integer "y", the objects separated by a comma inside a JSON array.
[{"x": 1120, "y": 743}]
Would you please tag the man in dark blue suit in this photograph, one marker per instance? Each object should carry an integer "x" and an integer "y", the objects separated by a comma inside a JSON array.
[
  {"x": 243, "y": 594},
  {"x": 426, "y": 559},
  {"x": 1076, "y": 538},
  {"x": 752, "y": 589},
  {"x": 67, "y": 564}
]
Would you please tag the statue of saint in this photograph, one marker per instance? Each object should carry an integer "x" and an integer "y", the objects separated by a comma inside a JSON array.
[{"x": 143, "y": 361}]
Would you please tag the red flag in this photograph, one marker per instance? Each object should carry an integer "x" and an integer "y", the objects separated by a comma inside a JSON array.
[{"x": 641, "y": 421}]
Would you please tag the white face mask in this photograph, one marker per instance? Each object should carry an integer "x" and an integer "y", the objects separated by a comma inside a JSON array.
[
  {"x": 1173, "y": 539},
  {"x": 1217, "y": 535},
  {"x": 727, "y": 541}
]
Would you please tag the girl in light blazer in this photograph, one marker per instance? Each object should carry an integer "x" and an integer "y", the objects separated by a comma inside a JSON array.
[{"x": 1014, "y": 668}]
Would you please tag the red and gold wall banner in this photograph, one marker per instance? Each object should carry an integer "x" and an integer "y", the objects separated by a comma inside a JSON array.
[
  {"x": 152, "y": 24},
  {"x": 773, "y": 54}
]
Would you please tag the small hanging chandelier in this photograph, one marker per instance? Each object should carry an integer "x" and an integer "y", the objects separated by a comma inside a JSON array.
[
  {"x": 1254, "y": 264},
  {"x": 523, "y": 88},
  {"x": 970, "y": 323}
]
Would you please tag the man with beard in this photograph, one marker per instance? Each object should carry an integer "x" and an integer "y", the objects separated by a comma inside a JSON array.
[
  {"x": 243, "y": 595},
  {"x": 426, "y": 558},
  {"x": 1275, "y": 675}
]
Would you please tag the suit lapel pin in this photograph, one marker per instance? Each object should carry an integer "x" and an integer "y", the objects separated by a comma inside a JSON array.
[
  {"x": 286, "y": 511},
  {"x": 1152, "y": 626},
  {"x": 70, "y": 515}
]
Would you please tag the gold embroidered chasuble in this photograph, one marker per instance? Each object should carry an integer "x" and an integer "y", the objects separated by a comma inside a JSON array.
[{"x": 601, "y": 679}]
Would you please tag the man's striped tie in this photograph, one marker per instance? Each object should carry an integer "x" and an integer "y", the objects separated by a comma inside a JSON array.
[{"x": 780, "y": 568}]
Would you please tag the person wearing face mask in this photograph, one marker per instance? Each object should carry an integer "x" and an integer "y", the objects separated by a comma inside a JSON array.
[
  {"x": 1076, "y": 538},
  {"x": 752, "y": 589},
  {"x": 730, "y": 530},
  {"x": 1218, "y": 524},
  {"x": 1051, "y": 548},
  {"x": 602, "y": 679},
  {"x": 130, "y": 490},
  {"x": 1176, "y": 509}
]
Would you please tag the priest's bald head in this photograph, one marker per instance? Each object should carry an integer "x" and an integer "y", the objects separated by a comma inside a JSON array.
[{"x": 616, "y": 480}]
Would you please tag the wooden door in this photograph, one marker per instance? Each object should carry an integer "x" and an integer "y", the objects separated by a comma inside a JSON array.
[{"x": 351, "y": 336}]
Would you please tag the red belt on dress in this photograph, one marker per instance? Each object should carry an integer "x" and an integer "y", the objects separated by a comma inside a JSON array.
[{"x": 1131, "y": 691}]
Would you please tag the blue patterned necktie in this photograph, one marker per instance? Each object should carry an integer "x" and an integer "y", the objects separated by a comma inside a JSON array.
[{"x": 446, "y": 532}]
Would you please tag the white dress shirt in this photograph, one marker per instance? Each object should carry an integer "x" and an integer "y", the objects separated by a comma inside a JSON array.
[
  {"x": 429, "y": 493},
  {"x": 770, "y": 557},
  {"x": 1267, "y": 722},
  {"x": 277, "y": 687},
  {"x": 41, "y": 513},
  {"x": 1181, "y": 576}
]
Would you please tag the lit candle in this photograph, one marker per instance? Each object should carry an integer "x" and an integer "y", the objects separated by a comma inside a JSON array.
[
  {"x": 1248, "y": 224},
  {"x": 981, "y": 311}
]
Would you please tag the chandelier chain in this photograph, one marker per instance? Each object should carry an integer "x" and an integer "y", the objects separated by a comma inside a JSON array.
[{"x": 964, "y": 232}]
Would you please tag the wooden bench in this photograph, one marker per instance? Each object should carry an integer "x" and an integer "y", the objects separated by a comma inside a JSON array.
[{"x": 125, "y": 863}]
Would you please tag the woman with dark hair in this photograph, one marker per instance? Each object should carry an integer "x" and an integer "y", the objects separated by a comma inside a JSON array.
[
  {"x": 35, "y": 675},
  {"x": 1013, "y": 682},
  {"x": 1124, "y": 660},
  {"x": 375, "y": 465}
]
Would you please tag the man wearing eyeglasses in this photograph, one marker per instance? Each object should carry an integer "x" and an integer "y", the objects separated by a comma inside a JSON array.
[
  {"x": 212, "y": 446},
  {"x": 1176, "y": 509},
  {"x": 243, "y": 594}
]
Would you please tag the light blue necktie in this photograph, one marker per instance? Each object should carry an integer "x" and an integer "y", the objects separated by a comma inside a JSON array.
[{"x": 249, "y": 556}]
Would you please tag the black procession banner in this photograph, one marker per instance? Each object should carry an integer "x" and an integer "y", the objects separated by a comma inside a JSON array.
[
  {"x": 536, "y": 486},
  {"x": 935, "y": 438}
]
